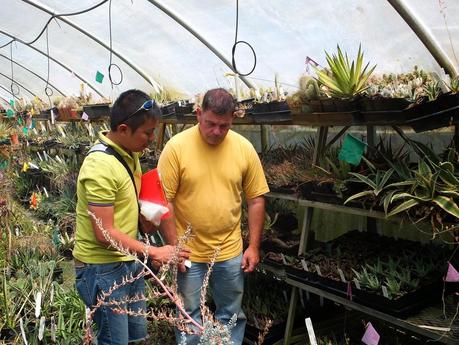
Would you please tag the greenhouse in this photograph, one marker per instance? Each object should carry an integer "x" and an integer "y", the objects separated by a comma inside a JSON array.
[{"x": 229, "y": 172}]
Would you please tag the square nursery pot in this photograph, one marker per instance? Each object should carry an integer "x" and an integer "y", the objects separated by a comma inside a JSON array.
[
  {"x": 184, "y": 108},
  {"x": 322, "y": 192},
  {"x": 331, "y": 105},
  {"x": 382, "y": 103},
  {"x": 96, "y": 111},
  {"x": 433, "y": 114},
  {"x": 403, "y": 306},
  {"x": 270, "y": 112},
  {"x": 169, "y": 109},
  {"x": 46, "y": 114}
]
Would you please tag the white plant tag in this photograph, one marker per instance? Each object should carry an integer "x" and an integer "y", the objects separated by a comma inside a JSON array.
[
  {"x": 46, "y": 192},
  {"x": 53, "y": 329},
  {"x": 53, "y": 117},
  {"x": 384, "y": 291},
  {"x": 187, "y": 263},
  {"x": 357, "y": 283},
  {"x": 84, "y": 116},
  {"x": 51, "y": 299},
  {"x": 39, "y": 156},
  {"x": 38, "y": 304},
  {"x": 318, "y": 270},
  {"x": 311, "y": 333},
  {"x": 305, "y": 265},
  {"x": 341, "y": 275},
  {"x": 21, "y": 326},
  {"x": 16, "y": 231},
  {"x": 31, "y": 165},
  {"x": 41, "y": 330}
]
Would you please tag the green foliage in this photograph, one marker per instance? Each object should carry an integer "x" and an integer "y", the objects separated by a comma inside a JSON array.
[
  {"x": 346, "y": 79},
  {"x": 432, "y": 90}
]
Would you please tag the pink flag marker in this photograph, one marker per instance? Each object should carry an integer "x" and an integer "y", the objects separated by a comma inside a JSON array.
[
  {"x": 452, "y": 275},
  {"x": 371, "y": 337}
]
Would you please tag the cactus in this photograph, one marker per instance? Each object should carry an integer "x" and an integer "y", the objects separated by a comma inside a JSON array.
[{"x": 309, "y": 88}]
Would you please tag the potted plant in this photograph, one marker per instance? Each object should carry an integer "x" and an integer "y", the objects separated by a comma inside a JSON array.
[{"x": 343, "y": 81}]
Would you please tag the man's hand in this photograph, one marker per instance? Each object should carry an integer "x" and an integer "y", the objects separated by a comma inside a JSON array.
[
  {"x": 250, "y": 259},
  {"x": 165, "y": 253}
]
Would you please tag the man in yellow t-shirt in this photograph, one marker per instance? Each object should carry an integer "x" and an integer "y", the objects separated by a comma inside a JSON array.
[
  {"x": 105, "y": 188},
  {"x": 206, "y": 170}
]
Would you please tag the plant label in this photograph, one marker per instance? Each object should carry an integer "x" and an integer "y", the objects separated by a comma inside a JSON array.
[
  {"x": 41, "y": 330},
  {"x": 305, "y": 265},
  {"x": 46, "y": 192},
  {"x": 21, "y": 326},
  {"x": 84, "y": 116},
  {"x": 38, "y": 304},
  {"x": 53, "y": 329},
  {"x": 384, "y": 291},
  {"x": 53, "y": 117},
  {"x": 370, "y": 337},
  {"x": 357, "y": 284},
  {"x": 341, "y": 275},
  {"x": 311, "y": 333},
  {"x": 318, "y": 270}
]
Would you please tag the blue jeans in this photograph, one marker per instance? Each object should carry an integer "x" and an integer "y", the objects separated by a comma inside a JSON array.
[
  {"x": 113, "y": 328},
  {"x": 227, "y": 286}
]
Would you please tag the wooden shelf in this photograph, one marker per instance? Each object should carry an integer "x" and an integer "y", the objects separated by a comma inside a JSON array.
[{"x": 330, "y": 207}]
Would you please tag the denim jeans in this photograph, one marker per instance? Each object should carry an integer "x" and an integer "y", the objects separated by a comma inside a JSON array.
[
  {"x": 113, "y": 328},
  {"x": 227, "y": 286}
]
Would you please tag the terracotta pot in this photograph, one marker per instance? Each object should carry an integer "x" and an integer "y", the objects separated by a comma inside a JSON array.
[{"x": 14, "y": 138}]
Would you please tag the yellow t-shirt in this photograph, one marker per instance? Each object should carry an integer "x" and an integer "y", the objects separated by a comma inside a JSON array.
[
  {"x": 104, "y": 181},
  {"x": 206, "y": 184}
]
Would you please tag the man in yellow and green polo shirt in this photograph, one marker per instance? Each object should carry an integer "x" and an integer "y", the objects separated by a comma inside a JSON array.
[
  {"x": 107, "y": 185},
  {"x": 206, "y": 171}
]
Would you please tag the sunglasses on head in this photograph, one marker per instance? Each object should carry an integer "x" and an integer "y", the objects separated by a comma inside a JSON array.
[{"x": 146, "y": 106}]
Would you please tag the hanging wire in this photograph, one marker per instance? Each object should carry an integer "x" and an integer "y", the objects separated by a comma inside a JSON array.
[
  {"x": 236, "y": 42},
  {"x": 58, "y": 16},
  {"x": 14, "y": 92},
  {"x": 49, "y": 91},
  {"x": 111, "y": 64}
]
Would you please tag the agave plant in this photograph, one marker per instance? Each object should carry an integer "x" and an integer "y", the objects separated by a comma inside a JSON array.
[
  {"x": 345, "y": 79},
  {"x": 432, "y": 184},
  {"x": 453, "y": 85}
]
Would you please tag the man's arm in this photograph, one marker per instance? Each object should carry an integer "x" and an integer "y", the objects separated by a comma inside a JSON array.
[
  {"x": 167, "y": 226},
  {"x": 106, "y": 215},
  {"x": 256, "y": 214}
]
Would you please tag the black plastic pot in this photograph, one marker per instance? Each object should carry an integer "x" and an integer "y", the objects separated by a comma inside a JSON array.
[
  {"x": 382, "y": 103},
  {"x": 96, "y": 111}
]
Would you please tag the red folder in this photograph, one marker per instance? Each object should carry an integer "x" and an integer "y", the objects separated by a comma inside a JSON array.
[{"x": 152, "y": 190}]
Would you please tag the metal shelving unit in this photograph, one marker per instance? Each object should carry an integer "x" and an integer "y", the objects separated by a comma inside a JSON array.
[{"x": 427, "y": 323}]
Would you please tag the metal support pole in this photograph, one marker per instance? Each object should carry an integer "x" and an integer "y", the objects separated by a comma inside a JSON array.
[{"x": 424, "y": 35}]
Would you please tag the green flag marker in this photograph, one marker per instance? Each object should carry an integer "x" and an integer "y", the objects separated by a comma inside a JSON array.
[
  {"x": 352, "y": 150},
  {"x": 99, "y": 77},
  {"x": 12, "y": 102},
  {"x": 9, "y": 113},
  {"x": 3, "y": 165},
  {"x": 25, "y": 130}
]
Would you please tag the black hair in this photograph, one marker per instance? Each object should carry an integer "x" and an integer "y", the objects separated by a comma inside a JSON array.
[
  {"x": 127, "y": 103},
  {"x": 219, "y": 101}
]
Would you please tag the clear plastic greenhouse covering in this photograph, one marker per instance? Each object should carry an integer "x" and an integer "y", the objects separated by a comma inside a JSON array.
[{"x": 152, "y": 48}]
